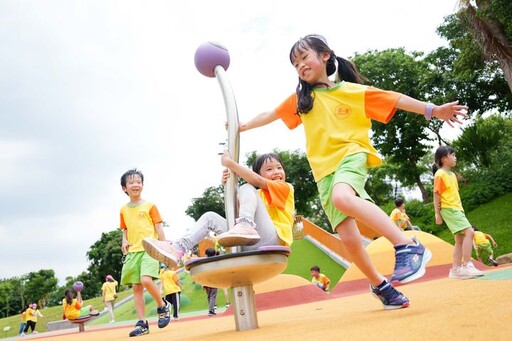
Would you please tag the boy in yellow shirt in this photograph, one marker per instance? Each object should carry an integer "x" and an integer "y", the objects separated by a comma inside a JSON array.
[
  {"x": 140, "y": 219},
  {"x": 319, "y": 279},
  {"x": 170, "y": 284}
]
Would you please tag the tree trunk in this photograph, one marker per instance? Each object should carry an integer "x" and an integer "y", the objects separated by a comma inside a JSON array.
[
  {"x": 424, "y": 194},
  {"x": 489, "y": 35}
]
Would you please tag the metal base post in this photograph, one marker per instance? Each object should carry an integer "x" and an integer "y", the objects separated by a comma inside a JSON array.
[{"x": 246, "y": 317}]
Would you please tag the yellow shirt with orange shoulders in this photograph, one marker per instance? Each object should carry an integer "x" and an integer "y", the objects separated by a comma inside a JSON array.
[
  {"x": 447, "y": 186},
  {"x": 139, "y": 222},
  {"x": 71, "y": 311},
  {"x": 481, "y": 238},
  {"x": 322, "y": 279},
  {"x": 279, "y": 201},
  {"x": 338, "y": 125},
  {"x": 399, "y": 218}
]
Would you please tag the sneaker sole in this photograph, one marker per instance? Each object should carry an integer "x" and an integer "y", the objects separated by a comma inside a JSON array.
[
  {"x": 159, "y": 256},
  {"x": 460, "y": 277},
  {"x": 390, "y": 307},
  {"x": 229, "y": 241},
  {"x": 427, "y": 256}
]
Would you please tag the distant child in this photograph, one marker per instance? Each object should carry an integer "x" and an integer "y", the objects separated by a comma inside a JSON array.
[
  {"x": 482, "y": 245},
  {"x": 140, "y": 219},
  {"x": 31, "y": 315},
  {"x": 319, "y": 279},
  {"x": 266, "y": 213},
  {"x": 170, "y": 285},
  {"x": 23, "y": 321},
  {"x": 336, "y": 116},
  {"x": 109, "y": 295},
  {"x": 72, "y": 307},
  {"x": 448, "y": 207},
  {"x": 211, "y": 293},
  {"x": 400, "y": 218}
]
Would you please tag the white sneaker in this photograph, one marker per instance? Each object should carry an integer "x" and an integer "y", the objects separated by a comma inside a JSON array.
[
  {"x": 239, "y": 234},
  {"x": 163, "y": 251},
  {"x": 459, "y": 273},
  {"x": 471, "y": 270}
]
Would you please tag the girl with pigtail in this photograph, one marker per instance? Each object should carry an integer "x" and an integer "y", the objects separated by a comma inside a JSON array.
[{"x": 337, "y": 115}]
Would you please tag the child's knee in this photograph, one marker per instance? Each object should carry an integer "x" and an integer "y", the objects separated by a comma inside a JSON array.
[{"x": 342, "y": 200}]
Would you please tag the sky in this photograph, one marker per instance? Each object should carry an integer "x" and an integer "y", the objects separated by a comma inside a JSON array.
[{"x": 90, "y": 89}]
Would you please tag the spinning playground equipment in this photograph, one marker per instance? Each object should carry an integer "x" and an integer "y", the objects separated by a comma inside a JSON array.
[{"x": 237, "y": 270}]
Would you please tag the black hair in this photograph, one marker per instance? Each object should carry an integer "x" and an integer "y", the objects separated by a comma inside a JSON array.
[
  {"x": 210, "y": 252},
  {"x": 68, "y": 295},
  {"x": 129, "y": 174},
  {"x": 260, "y": 160},
  {"x": 315, "y": 268},
  {"x": 399, "y": 202},
  {"x": 347, "y": 71},
  {"x": 441, "y": 152},
  {"x": 475, "y": 228}
]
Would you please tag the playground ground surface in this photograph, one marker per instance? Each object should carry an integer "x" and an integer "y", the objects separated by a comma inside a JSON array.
[{"x": 289, "y": 307}]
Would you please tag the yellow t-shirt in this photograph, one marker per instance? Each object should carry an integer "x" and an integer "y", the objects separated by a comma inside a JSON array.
[
  {"x": 30, "y": 315},
  {"x": 280, "y": 204},
  {"x": 170, "y": 280},
  {"x": 71, "y": 311},
  {"x": 399, "y": 218},
  {"x": 322, "y": 279},
  {"x": 445, "y": 183},
  {"x": 480, "y": 238},
  {"x": 110, "y": 290},
  {"x": 338, "y": 125},
  {"x": 139, "y": 221}
]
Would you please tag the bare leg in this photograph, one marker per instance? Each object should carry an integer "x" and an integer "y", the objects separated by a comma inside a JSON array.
[
  {"x": 152, "y": 288},
  {"x": 344, "y": 199},
  {"x": 351, "y": 238},
  {"x": 138, "y": 297},
  {"x": 467, "y": 244},
  {"x": 457, "y": 250}
]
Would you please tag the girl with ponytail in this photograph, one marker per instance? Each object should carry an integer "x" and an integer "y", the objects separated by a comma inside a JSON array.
[{"x": 337, "y": 115}]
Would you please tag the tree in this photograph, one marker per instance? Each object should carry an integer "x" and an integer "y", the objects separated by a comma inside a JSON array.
[
  {"x": 477, "y": 143},
  {"x": 212, "y": 200},
  {"x": 405, "y": 140},
  {"x": 490, "y": 25},
  {"x": 106, "y": 257},
  {"x": 39, "y": 285},
  {"x": 5, "y": 297}
]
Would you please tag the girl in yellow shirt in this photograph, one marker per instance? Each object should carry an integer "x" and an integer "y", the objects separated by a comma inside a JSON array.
[
  {"x": 448, "y": 207},
  {"x": 337, "y": 119}
]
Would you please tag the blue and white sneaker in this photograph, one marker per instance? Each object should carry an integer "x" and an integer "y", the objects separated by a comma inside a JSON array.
[
  {"x": 164, "y": 315},
  {"x": 410, "y": 262},
  {"x": 389, "y": 296},
  {"x": 141, "y": 328}
]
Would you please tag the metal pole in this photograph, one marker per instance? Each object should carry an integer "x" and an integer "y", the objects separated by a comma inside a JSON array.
[{"x": 243, "y": 297}]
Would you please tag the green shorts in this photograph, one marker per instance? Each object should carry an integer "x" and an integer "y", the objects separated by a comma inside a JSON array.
[
  {"x": 455, "y": 220},
  {"x": 484, "y": 248},
  {"x": 136, "y": 265},
  {"x": 85, "y": 311},
  {"x": 352, "y": 171}
]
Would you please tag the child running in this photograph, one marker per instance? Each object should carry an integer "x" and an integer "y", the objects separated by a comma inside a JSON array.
[
  {"x": 265, "y": 214},
  {"x": 448, "y": 207},
  {"x": 141, "y": 219},
  {"x": 337, "y": 119}
]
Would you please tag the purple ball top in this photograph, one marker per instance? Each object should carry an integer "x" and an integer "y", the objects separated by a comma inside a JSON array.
[{"x": 208, "y": 56}]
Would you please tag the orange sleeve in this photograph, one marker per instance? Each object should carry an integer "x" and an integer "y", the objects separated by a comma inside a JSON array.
[
  {"x": 380, "y": 104},
  {"x": 155, "y": 215},
  {"x": 277, "y": 192},
  {"x": 78, "y": 306},
  {"x": 439, "y": 185},
  {"x": 287, "y": 111},
  {"x": 122, "y": 224}
]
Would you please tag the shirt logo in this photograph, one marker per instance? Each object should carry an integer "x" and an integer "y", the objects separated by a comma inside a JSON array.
[{"x": 342, "y": 111}]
